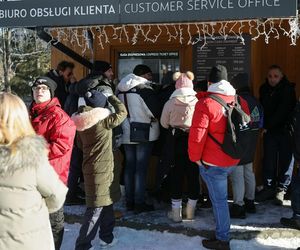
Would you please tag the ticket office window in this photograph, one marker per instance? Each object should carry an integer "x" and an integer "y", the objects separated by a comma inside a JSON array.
[{"x": 159, "y": 62}]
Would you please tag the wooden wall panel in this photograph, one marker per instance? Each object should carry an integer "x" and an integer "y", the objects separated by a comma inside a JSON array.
[{"x": 278, "y": 51}]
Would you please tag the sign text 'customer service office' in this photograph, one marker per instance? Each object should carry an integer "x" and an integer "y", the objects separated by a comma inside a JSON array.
[{"x": 31, "y": 13}]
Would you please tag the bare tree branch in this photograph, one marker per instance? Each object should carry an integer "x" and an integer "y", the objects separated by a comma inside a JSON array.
[{"x": 27, "y": 54}]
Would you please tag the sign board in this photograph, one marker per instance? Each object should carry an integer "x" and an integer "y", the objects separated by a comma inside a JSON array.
[
  {"x": 32, "y": 13},
  {"x": 154, "y": 54},
  {"x": 230, "y": 53}
]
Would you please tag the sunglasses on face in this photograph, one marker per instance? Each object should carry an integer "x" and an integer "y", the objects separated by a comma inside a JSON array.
[{"x": 37, "y": 88}]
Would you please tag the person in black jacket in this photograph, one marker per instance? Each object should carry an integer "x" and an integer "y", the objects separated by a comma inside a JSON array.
[
  {"x": 278, "y": 98},
  {"x": 63, "y": 76},
  {"x": 242, "y": 177},
  {"x": 294, "y": 221},
  {"x": 101, "y": 79}
]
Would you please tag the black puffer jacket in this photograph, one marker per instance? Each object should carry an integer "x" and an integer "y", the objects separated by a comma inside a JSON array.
[
  {"x": 278, "y": 103},
  {"x": 97, "y": 82}
]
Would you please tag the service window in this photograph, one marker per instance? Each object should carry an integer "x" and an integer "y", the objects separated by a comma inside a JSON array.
[{"x": 159, "y": 62}]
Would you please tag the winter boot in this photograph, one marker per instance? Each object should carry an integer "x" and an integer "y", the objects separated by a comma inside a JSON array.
[
  {"x": 293, "y": 222},
  {"x": 267, "y": 193},
  {"x": 176, "y": 213},
  {"x": 279, "y": 196},
  {"x": 237, "y": 212},
  {"x": 206, "y": 203},
  {"x": 129, "y": 206},
  {"x": 143, "y": 207},
  {"x": 190, "y": 209},
  {"x": 216, "y": 244},
  {"x": 250, "y": 206}
]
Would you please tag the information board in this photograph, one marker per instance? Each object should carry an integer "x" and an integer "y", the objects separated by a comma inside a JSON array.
[{"x": 231, "y": 53}]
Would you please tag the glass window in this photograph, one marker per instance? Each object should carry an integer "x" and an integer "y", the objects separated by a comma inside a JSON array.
[{"x": 159, "y": 62}]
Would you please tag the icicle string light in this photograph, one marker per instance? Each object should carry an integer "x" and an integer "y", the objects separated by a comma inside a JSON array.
[{"x": 184, "y": 33}]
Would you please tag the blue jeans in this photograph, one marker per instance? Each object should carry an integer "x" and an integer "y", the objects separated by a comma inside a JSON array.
[
  {"x": 137, "y": 162},
  {"x": 216, "y": 181}
]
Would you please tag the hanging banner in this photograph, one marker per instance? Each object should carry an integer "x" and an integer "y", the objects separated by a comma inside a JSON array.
[{"x": 33, "y": 13}]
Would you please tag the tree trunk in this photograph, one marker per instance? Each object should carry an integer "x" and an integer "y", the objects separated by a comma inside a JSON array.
[{"x": 6, "y": 57}]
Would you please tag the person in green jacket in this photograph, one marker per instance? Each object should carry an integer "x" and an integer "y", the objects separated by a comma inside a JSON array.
[{"x": 94, "y": 125}]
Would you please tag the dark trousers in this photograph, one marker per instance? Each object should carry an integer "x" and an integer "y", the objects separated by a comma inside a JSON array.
[
  {"x": 57, "y": 225},
  {"x": 75, "y": 171},
  {"x": 277, "y": 158},
  {"x": 183, "y": 167},
  {"x": 96, "y": 218},
  {"x": 296, "y": 195}
]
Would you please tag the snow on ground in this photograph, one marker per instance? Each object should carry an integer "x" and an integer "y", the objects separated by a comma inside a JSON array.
[
  {"x": 130, "y": 239},
  {"x": 266, "y": 218},
  {"x": 267, "y": 214}
]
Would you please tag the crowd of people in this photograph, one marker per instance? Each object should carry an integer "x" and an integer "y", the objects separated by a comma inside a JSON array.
[{"x": 77, "y": 132}]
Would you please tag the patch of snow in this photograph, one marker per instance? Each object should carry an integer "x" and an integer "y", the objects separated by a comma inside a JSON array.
[{"x": 130, "y": 239}]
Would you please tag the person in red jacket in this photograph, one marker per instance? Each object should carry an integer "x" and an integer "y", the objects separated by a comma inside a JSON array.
[
  {"x": 49, "y": 120},
  {"x": 215, "y": 165}
]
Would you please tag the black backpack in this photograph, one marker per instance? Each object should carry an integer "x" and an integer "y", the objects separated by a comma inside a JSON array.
[{"x": 237, "y": 128}]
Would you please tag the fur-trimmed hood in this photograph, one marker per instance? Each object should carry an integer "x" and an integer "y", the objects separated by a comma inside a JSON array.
[
  {"x": 23, "y": 153},
  {"x": 89, "y": 117}
]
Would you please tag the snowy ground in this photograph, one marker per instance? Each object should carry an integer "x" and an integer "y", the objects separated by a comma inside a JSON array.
[
  {"x": 258, "y": 231},
  {"x": 130, "y": 239}
]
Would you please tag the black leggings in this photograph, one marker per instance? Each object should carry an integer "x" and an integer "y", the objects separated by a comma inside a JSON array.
[{"x": 182, "y": 168}]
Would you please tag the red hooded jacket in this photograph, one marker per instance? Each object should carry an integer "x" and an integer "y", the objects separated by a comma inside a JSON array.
[
  {"x": 209, "y": 117},
  {"x": 50, "y": 121}
]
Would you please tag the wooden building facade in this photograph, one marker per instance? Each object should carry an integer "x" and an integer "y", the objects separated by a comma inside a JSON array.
[{"x": 277, "y": 51}]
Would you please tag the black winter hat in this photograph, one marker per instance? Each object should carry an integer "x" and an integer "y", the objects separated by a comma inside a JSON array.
[
  {"x": 168, "y": 79},
  {"x": 101, "y": 66},
  {"x": 48, "y": 82},
  {"x": 217, "y": 74},
  {"x": 240, "y": 80},
  {"x": 95, "y": 99},
  {"x": 141, "y": 69}
]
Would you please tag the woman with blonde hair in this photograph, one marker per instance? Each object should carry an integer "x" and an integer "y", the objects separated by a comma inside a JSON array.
[{"x": 29, "y": 187}]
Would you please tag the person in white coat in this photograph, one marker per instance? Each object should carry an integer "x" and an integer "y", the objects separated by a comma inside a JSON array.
[
  {"x": 142, "y": 107},
  {"x": 29, "y": 187}
]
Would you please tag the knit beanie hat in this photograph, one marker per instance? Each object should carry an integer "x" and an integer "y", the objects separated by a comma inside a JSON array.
[
  {"x": 240, "y": 81},
  {"x": 101, "y": 66},
  {"x": 94, "y": 99},
  {"x": 141, "y": 69},
  {"x": 46, "y": 81},
  {"x": 217, "y": 74},
  {"x": 183, "y": 80}
]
